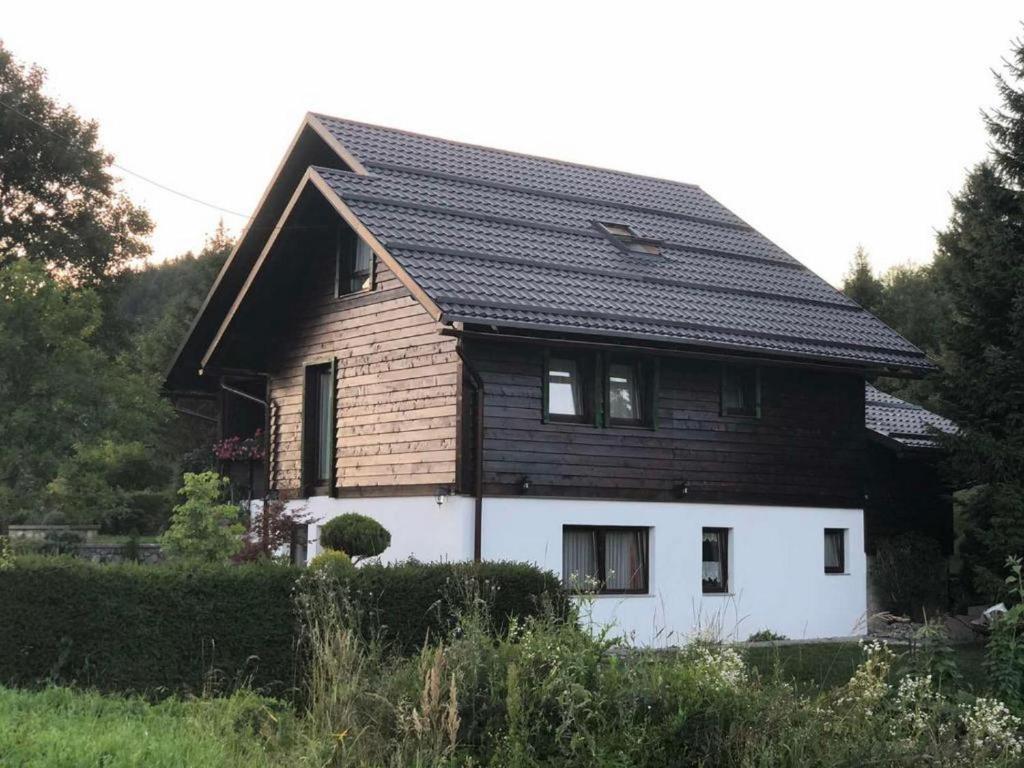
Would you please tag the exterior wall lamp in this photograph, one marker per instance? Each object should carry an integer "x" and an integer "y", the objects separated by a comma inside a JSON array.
[
  {"x": 524, "y": 484},
  {"x": 441, "y": 495}
]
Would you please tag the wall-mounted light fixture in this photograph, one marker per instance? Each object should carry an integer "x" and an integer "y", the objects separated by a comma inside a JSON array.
[
  {"x": 524, "y": 484},
  {"x": 681, "y": 489},
  {"x": 441, "y": 495}
]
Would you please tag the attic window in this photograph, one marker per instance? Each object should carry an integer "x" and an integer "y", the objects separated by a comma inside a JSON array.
[{"x": 625, "y": 238}]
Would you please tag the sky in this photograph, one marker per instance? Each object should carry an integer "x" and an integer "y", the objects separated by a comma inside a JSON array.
[{"x": 824, "y": 125}]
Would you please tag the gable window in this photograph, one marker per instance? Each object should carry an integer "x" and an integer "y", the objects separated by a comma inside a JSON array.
[
  {"x": 608, "y": 560},
  {"x": 567, "y": 389},
  {"x": 741, "y": 391},
  {"x": 355, "y": 262},
  {"x": 835, "y": 550},
  {"x": 318, "y": 429},
  {"x": 715, "y": 560}
]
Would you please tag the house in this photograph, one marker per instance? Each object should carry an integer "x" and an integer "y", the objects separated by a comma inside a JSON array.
[{"x": 501, "y": 356}]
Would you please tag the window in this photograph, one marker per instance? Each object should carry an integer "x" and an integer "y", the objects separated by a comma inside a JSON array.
[
  {"x": 741, "y": 391},
  {"x": 354, "y": 264},
  {"x": 613, "y": 559},
  {"x": 835, "y": 550},
  {"x": 567, "y": 389},
  {"x": 625, "y": 238},
  {"x": 318, "y": 429},
  {"x": 715, "y": 560},
  {"x": 626, "y": 394}
]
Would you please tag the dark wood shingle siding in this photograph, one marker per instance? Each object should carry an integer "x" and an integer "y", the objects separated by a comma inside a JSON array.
[
  {"x": 396, "y": 397},
  {"x": 807, "y": 449}
]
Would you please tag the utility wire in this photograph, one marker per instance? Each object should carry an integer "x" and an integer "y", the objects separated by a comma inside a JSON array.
[{"x": 75, "y": 145}]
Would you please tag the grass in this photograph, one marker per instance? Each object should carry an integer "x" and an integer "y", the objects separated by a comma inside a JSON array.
[
  {"x": 61, "y": 728},
  {"x": 824, "y": 666}
]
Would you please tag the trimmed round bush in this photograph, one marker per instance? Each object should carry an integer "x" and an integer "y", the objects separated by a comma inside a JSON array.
[
  {"x": 358, "y": 536},
  {"x": 332, "y": 564}
]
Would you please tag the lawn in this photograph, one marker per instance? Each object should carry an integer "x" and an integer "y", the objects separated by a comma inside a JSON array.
[
  {"x": 823, "y": 666},
  {"x": 60, "y": 728}
]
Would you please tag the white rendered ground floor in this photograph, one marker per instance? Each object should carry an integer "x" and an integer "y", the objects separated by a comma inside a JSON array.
[{"x": 776, "y": 558}]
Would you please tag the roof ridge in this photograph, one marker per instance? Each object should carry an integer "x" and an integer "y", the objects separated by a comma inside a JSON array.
[{"x": 514, "y": 153}]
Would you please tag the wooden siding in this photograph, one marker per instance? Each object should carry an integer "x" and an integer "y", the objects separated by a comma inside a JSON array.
[
  {"x": 396, "y": 386},
  {"x": 808, "y": 447}
]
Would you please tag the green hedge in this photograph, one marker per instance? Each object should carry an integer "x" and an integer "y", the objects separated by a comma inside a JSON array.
[
  {"x": 163, "y": 629},
  {"x": 151, "y": 629},
  {"x": 412, "y": 601}
]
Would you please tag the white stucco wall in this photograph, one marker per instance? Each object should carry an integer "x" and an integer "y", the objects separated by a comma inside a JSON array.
[
  {"x": 418, "y": 527},
  {"x": 776, "y": 567}
]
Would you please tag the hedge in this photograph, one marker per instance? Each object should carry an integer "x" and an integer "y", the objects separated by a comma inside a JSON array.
[
  {"x": 164, "y": 629},
  {"x": 146, "y": 629}
]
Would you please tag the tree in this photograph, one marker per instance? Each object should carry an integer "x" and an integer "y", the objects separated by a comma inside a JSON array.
[
  {"x": 203, "y": 528},
  {"x": 980, "y": 269},
  {"x": 58, "y": 202},
  {"x": 57, "y": 389},
  {"x": 860, "y": 282},
  {"x": 358, "y": 536}
]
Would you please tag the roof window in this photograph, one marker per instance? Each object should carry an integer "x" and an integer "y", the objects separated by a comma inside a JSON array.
[{"x": 625, "y": 238}]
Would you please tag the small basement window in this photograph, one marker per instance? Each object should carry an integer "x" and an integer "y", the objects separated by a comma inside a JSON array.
[
  {"x": 741, "y": 391},
  {"x": 835, "y": 550},
  {"x": 715, "y": 560},
  {"x": 607, "y": 560}
]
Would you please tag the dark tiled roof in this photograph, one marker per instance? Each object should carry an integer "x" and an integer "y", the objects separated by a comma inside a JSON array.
[
  {"x": 906, "y": 423},
  {"x": 505, "y": 239}
]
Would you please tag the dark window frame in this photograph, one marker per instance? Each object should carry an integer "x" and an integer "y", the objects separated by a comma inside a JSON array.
[
  {"x": 647, "y": 371},
  {"x": 725, "y": 535},
  {"x": 841, "y": 568},
  {"x": 729, "y": 369},
  {"x": 585, "y": 367},
  {"x": 312, "y": 485},
  {"x": 600, "y": 530},
  {"x": 347, "y": 243}
]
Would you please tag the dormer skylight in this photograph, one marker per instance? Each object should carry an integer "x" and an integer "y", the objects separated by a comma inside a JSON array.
[{"x": 625, "y": 238}]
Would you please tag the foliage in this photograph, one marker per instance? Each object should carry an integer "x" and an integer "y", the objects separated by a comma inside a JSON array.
[
  {"x": 861, "y": 284},
  {"x": 121, "y": 486},
  {"x": 237, "y": 448},
  {"x": 270, "y": 530},
  {"x": 905, "y": 572},
  {"x": 332, "y": 564},
  {"x": 358, "y": 536},
  {"x": 203, "y": 528},
  {"x": 147, "y": 629},
  {"x": 60, "y": 392},
  {"x": 6, "y": 554},
  {"x": 932, "y": 655},
  {"x": 58, "y": 727},
  {"x": 764, "y": 636},
  {"x": 58, "y": 202},
  {"x": 1005, "y": 653}
]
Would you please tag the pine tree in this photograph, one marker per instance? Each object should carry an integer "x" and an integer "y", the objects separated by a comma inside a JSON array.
[{"x": 861, "y": 284}]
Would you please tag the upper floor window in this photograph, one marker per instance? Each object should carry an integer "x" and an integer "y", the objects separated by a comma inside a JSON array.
[
  {"x": 608, "y": 560},
  {"x": 741, "y": 391},
  {"x": 625, "y": 395},
  {"x": 318, "y": 429},
  {"x": 354, "y": 264},
  {"x": 567, "y": 389}
]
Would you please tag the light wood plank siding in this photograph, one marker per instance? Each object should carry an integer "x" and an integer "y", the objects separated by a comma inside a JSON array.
[{"x": 397, "y": 384}]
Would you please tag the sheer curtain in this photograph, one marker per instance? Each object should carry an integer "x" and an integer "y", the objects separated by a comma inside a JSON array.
[
  {"x": 834, "y": 550},
  {"x": 711, "y": 567},
  {"x": 625, "y": 555},
  {"x": 579, "y": 557}
]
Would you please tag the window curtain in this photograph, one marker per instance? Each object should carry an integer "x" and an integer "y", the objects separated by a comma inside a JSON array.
[
  {"x": 711, "y": 568},
  {"x": 579, "y": 558},
  {"x": 834, "y": 550},
  {"x": 625, "y": 560}
]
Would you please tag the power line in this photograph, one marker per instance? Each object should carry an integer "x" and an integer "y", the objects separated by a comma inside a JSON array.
[{"x": 75, "y": 145}]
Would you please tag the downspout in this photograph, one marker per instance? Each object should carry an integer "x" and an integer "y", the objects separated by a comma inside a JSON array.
[{"x": 478, "y": 419}]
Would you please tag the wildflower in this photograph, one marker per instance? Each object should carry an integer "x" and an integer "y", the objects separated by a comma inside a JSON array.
[{"x": 989, "y": 727}]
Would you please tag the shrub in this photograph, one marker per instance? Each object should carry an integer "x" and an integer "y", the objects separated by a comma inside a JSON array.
[
  {"x": 147, "y": 629},
  {"x": 764, "y": 636},
  {"x": 203, "y": 528},
  {"x": 332, "y": 564},
  {"x": 908, "y": 573},
  {"x": 270, "y": 531},
  {"x": 358, "y": 536}
]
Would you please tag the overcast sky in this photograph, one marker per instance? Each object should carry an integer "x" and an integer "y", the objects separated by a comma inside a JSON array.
[{"x": 824, "y": 125}]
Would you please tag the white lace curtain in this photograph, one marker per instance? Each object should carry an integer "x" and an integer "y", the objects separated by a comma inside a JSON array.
[{"x": 711, "y": 567}]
